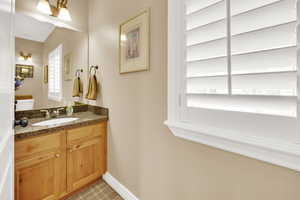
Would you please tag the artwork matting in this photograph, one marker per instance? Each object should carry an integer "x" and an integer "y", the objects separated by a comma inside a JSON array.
[{"x": 134, "y": 43}]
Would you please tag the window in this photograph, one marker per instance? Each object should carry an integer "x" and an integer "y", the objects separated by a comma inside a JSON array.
[
  {"x": 55, "y": 73},
  {"x": 246, "y": 59},
  {"x": 233, "y": 76}
]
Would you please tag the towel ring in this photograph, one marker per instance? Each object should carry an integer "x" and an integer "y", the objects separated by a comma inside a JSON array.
[
  {"x": 78, "y": 72},
  {"x": 95, "y": 68}
]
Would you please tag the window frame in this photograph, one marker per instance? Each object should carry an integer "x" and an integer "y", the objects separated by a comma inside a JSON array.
[
  {"x": 56, "y": 96},
  {"x": 276, "y": 151}
]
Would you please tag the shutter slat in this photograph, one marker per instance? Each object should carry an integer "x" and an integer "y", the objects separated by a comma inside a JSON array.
[
  {"x": 266, "y": 39},
  {"x": 207, "y": 85},
  {"x": 207, "y": 16},
  {"x": 207, "y": 33},
  {"x": 214, "y": 49},
  {"x": 193, "y": 6},
  {"x": 264, "y": 17},
  {"x": 251, "y": 104},
  {"x": 238, "y": 54},
  {"x": 207, "y": 67},
  {"x": 250, "y": 72},
  {"x": 265, "y": 61},
  {"x": 239, "y": 7},
  {"x": 278, "y": 84}
]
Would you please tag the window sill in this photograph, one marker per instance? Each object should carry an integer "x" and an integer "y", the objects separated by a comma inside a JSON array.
[
  {"x": 57, "y": 99},
  {"x": 276, "y": 152}
]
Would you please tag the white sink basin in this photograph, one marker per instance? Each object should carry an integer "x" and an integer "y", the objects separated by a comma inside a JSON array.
[{"x": 55, "y": 121}]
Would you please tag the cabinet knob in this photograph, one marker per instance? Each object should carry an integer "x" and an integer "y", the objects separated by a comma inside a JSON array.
[{"x": 57, "y": 155}]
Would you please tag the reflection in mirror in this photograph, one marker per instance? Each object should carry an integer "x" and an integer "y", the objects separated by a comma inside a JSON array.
[{"x": 48, "y": 59}]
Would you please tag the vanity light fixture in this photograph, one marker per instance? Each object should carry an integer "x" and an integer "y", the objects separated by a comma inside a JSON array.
[
  {"x": 59, "y": 10},
  {"x": 27, "y": 57}
]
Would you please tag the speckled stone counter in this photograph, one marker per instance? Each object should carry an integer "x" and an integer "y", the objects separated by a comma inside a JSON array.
[{"x": 85, "y": 118}]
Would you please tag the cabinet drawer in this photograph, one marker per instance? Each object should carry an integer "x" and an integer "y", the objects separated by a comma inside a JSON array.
[
  {"x": 86, "y": 132},
  {"x": 37, "y": 144}
]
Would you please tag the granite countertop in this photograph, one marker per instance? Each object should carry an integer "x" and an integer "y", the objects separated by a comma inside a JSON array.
[{"x": 85, "y": 118}]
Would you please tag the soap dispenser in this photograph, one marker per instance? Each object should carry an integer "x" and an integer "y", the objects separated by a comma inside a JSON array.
[{"x": 69, "y": 109}]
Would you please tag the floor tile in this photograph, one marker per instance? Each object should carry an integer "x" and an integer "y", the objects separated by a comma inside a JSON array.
[{"x": 98, "y": 191}]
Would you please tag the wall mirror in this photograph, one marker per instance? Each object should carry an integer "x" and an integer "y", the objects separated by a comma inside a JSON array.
[{"x": 48, "y": 57}]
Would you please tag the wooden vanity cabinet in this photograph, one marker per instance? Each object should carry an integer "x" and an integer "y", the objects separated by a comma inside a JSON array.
[
  {"x": 50, "y": 167},
  {"x": 86, "y": 155},
  {"x": 39, "y": 167}
]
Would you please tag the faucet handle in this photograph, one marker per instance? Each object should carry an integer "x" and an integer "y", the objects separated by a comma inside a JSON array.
[
  {"x": 47, "y": 113},
  {"x": 59, "y": 109},
  {"x": 57, "y": 112}
]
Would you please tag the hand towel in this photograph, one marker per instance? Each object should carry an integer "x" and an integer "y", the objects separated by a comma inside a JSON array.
[
  {"x": 92, "y": 88},
  {"x": 77, "y": 87}
]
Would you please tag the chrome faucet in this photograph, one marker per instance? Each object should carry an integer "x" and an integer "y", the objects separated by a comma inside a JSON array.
[{"x": 54, "y": 114}]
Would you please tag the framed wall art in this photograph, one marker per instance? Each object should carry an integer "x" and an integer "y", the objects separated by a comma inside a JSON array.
[
  {"x": 46, "y": 74},
  {"x": 24, "y": 71},
  {"x": 67, "y": 67},
  {"x": 134, "y": 44}
]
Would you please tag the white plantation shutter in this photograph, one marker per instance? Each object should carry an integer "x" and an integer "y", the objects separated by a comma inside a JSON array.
[
  {"x": 233, "y": 76},
  {"x": 241, "y": 55},
  {"x": 55, "y": 74},
  {"x": 206, "y": 48}
]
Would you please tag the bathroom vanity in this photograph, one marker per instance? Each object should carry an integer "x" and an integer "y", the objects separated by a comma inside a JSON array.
[{"x": 52, "y": 162}]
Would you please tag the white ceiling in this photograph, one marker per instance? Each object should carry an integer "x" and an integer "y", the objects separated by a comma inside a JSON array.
[{"x": 31, "y": 29}]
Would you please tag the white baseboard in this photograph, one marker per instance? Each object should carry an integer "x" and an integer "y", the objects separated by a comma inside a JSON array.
[{"x": 119, "y": 187}]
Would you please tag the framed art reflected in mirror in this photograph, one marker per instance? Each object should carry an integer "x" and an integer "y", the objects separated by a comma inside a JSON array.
[
  {"x": 24, "y": 71},
  {"x": 67, "y": 67},
  {"x": 46, "y": 74}
]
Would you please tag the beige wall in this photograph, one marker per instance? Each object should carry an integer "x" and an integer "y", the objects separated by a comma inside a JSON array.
[
  {"x": 76, "y": 44},
  {"x": 31, "y": 86},
  {"x": 143, "y": 153}
]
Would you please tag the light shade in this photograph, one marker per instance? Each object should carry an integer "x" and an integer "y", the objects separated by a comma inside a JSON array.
[
  {"x": 29, "y": 59},
  {"x": 123, "y": 38},
  {"x": 21, "y": 58},
  {"x": 64, "y": 14},
  {"x": 44, "y": 7}
]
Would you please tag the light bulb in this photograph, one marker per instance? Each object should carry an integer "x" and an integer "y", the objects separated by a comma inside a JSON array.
[
  {"x": 64, "y": 14},
  {"x": 123, "y": 38},
  {"x": 44, "y": 7}
]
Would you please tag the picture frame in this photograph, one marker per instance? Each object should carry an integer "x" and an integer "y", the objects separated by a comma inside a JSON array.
[
  {"x": 67, "y": 67},
  {"x": 46, "y": 74},
  {"x": 24, "y": 71},
  {"x": 134, "y": 44}
]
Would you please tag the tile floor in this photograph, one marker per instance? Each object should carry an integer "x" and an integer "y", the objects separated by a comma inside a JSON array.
[{"x": 98, "y": 191}]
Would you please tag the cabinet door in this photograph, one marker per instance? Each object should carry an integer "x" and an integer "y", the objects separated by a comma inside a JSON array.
[
  {"x": 85, "y": 162},
  {"x": 37, "y": 178}
]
